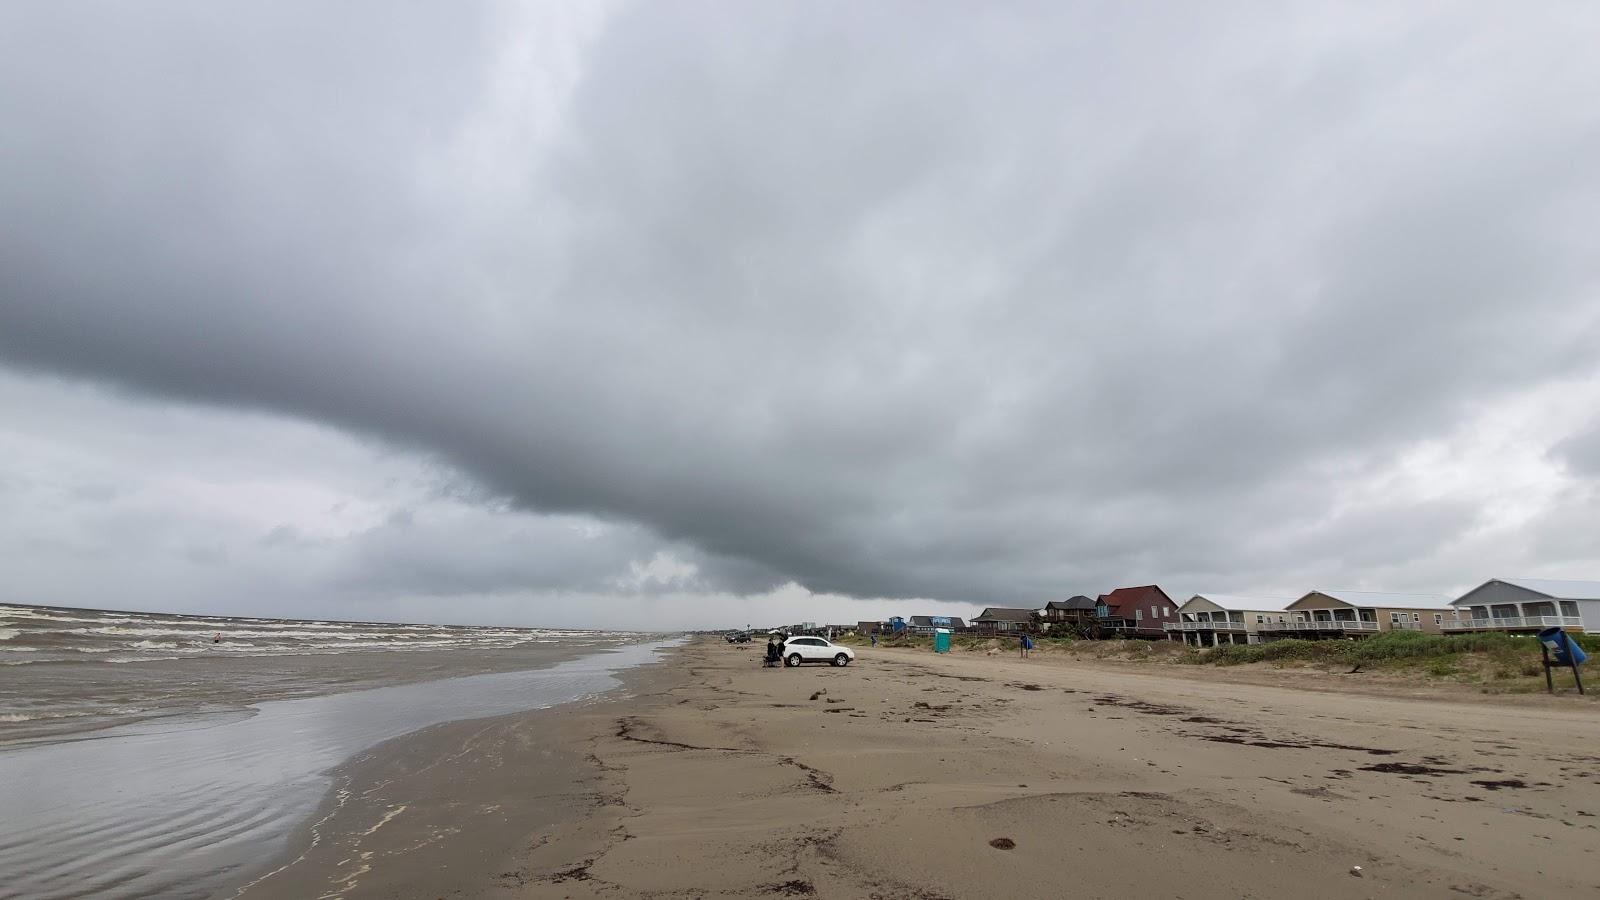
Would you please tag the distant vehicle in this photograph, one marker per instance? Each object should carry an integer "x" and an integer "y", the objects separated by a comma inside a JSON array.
[
  {"x": 797, "y": 650},
  {"x": 739, "y": 637}
]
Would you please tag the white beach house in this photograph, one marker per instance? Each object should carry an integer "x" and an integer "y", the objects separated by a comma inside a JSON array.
[{"x": 1528, "y": 604}]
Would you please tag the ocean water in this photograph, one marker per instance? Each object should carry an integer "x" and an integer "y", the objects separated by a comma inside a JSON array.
[
  {"x": 180, "y": 805},
  {"x": 64, "y": 671},
  {"x": 31, "y": 635}
]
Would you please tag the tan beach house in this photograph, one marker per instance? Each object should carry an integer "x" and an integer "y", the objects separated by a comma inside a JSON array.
[
  {"x": 1351, "y": 614},
  {"x": 1003, "y": 620},
  {"x": 1528, "y": 604},
  {"x": 1207, "y": 620}
]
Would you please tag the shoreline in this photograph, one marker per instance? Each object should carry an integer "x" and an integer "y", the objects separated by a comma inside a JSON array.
[
  {"x": 445, "y": 810},
  {"x": 181, "y": 807}
]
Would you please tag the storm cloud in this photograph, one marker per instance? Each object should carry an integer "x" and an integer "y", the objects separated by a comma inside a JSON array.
[{"x": 934, "y": 301}]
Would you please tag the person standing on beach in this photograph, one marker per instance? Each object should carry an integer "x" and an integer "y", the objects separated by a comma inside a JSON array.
[
  {"x": 1024, "y": 646},
  {"x": 874, "y": 640}
]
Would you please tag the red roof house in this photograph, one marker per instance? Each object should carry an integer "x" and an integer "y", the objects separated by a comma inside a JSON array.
[{"x": 1139, "y": 611}]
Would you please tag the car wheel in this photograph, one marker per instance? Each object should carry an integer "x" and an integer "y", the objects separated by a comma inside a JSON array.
[
  {"x": 841, "y": 660},
  {"x": 794, "y": 659}
]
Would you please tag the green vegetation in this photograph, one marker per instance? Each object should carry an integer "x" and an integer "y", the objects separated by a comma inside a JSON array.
[
  {"x": 1440, "y": 655},
  {"x": 920, "y": 641}
]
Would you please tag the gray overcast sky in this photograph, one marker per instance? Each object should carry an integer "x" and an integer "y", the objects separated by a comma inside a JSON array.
[{"x": 690, "y": 314}]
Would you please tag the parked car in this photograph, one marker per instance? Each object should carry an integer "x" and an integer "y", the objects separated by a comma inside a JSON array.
[
  {"x": 797, "y": 650},
  {"x": 739, "y": 637}
]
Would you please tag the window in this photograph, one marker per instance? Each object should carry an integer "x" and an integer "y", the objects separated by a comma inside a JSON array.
[
  {"x": 1138, "y": 615},
  {"x": 1166, "y": 611},
  {"x": 1569, "y": 608},
  {"x": 1416, "y": 617},
  {"x": 1260, "y": 619},
  {"x": 1281, "y": 620},
  {"x": 1395, "y": 617},
  {"x": 1438, "y": 618}
]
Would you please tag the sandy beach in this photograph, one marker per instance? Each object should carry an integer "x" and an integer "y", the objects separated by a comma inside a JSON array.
[{"x": 910, "y": 775}]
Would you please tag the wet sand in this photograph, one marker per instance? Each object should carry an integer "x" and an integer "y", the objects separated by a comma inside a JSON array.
[{"x": 435, "y": 813}]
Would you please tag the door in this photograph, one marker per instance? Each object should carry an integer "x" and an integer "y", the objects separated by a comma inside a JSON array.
[{"x": 810, "y": 648}]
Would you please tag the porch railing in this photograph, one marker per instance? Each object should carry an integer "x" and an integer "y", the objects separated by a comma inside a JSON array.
[
  {"x": 1319, "y": 625},
  {"x": 1214, "y": 625},
  {"x": 1512, "y": 622}
]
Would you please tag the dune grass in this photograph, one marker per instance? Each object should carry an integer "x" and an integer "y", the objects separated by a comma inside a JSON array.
[{"x": 1439, "y": 655}]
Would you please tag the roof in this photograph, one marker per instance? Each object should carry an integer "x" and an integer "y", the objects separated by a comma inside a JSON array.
[
  {"x": 1137, "y": 596},
  {"x": 1389, "y": 599},
  {"x": 1078, "y": 602},
  {"x": 1557, "y": 589},
  {"x": 1004, "y": 614},
  {"x": 1233, "y": 602},
  {"x": 937, "y": 621}
]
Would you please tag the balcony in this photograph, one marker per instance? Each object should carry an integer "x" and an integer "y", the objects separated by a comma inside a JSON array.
[
  {"x": 1509, "y": 623},
  {"x": 1215, "y": 625},
  {"x": 1320, "y": 625}
]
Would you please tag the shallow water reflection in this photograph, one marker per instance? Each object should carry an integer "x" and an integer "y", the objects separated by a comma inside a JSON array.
[{"x": 177, "y": 808}]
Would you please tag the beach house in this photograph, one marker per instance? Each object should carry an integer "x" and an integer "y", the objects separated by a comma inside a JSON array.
[
  {"x": 1527, "y": 605},
  {"x": 928, "y": 624},
  {"x": 1142, "y": 611},
  {"x": 1072, "y": 611},
  {"x": 1340, "y": 614},
  {"x": 1003, "y": 620},
  {"x": 1206, "y": 620}
]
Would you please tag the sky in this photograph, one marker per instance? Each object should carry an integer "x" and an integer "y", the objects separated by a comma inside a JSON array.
[{"x": 647, "y": 315}]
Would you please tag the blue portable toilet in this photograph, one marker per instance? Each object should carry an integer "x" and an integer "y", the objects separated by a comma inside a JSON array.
[
  {"x": 1564, "y": 650},
  {"x": 941, "y": 640}
]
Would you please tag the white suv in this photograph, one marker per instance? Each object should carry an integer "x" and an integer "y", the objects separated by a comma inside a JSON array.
[{"x": 797, "y": 650}]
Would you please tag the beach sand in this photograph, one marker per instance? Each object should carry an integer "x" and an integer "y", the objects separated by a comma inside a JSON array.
[{"x": 910, "y": 775}]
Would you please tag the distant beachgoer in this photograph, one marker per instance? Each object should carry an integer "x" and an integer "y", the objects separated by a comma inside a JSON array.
[
  {"x": 774, "y": 655},
  {"x": 216, "y": 638},
  {"x": 1025, "y": 646},
  {"x": 874, "y": 640}
]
